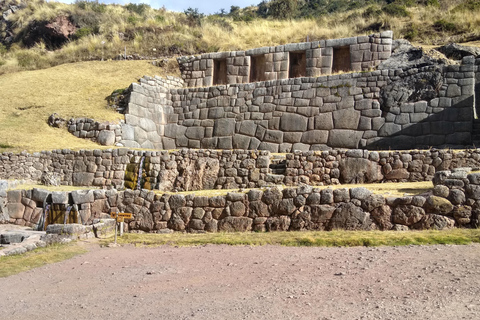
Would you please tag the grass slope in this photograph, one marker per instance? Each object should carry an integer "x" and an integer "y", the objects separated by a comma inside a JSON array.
[
  {"x": 33, "y": 259},
  {"x": 28, "y": 98},
  {"x": 309, "y": 238}
]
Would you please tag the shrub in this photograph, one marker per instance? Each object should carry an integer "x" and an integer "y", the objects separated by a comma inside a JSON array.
[
  {"x": 82, "y": 32},
  {"x": 445, "y": 26},
  {"x": 395, "y": 10},
  {"x": 469, "y": 5},
  {"x": 92, "y": 5},
  {"x": 3, "y": 49},
  {"x": 283, "y": 9},
  {"x": 193, "y": 16},
  {"x": 411, "y": 32},
  {"x": 139, "y": 9},
  {"x": 372, "y": 12},
  {"x": 159, "y": 18},
  {"x": 132, "y": 20}
]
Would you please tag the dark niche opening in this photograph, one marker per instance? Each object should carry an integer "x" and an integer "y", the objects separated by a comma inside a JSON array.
[
  {"x": 297, "y": 65},
  {"x": 257, "y": 68},
  {"x": 219, "y": 72},
  {"x": 341, "y": 59}
]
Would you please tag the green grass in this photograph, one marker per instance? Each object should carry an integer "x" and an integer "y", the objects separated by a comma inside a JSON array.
[
  {"x": 11, "y": 265},
  {"x": 28, "y": 98},
  {"x": 309, "y": 239}
]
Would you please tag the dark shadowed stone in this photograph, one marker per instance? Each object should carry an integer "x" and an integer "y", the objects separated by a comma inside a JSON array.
[
  {"x": 237, "y": 209},
  {"x": 258, "y": 208},
  {"x": 217, "y": 201},
  {"x": 293, "y": 122},
  {"x": 281, "y": 223},
  {"x": 326, "y": 196},
  {"x": 177, "y": 201},
  {"x": 407, "y": 214},
  {"x": 438, "y": 205},
  {"x": 372, "y": 202},
  {"x": 440, "y": 177},
  {"x": 235, "y": 224},
  {"x": 349, "y": 217},
  {"x": 359, "y": 170},
  {"x": 313, "y": 198},
  {"x": 434, "y": 221},
  {"x": 341, "y": 195},
  {"x": 456, "y": 196},
  {"x": 196, "y": 224},
  {"x": 211, "y": 226},
  {"x": 462, "y": 214},
  {"x": 382, "y": 217},
  {"x": 254, "y": 195},
  {"x": 284, "y": 207},
  {"x": 397, "y": 174},
  {"x": 473, "y": 191},
  {"x": 176, "y": 224},
  {"x": 272, "y": 196},
  {"x": 321, "y": 213}
]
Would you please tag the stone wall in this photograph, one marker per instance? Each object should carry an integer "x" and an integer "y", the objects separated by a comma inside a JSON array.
[
  {"x": 431, "y": 106},
  {"x": 455, "y": 201},
  {"x": 308, "y": 59},
  {"x": 145, "y": 117},
  {"x": 187, "y": 169},
  {"x": 105, "y": 133}
]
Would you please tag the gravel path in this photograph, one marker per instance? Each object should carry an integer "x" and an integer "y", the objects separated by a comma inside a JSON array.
[{"x": 242, "y": 282}]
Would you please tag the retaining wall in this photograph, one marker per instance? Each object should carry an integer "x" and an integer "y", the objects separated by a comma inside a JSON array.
[
  {"x": 308, "y": 59},
  {"x": 189, "y": 169},
  {"x": 455, "y": 202},
  {"x": 409, "y": 108}
]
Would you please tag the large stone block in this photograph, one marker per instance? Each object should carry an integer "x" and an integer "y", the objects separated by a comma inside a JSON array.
[
  {"x": 83, "y": 178},
  {"x": 106, "y": 138},
  {"x": 349, "y": 217},
  {"x": 83, "y": 196},
  {"x": 315, "y": 137},
  {"x": 324, "y": 121},
  {"x": 224, "y": 127},
  {"x": 340, "y": 138},
  {"x": 15, "y": 210},
  {"x": 346, "y": 119},
  {"x": 293, "y": 122},
  {"x": 235, "y": 224}
]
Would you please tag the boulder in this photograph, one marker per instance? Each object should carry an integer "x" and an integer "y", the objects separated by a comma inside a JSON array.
[
  {"x": 281, "y": 223},
  {"x": 438, "y": 205},
  {"x": 349, "y": 217},
  {"x": 434, "y": 221},
  {"x": 106, "y": 138},
  {"x": 359, "y": 170},
  {"x": 407, "y": 214},
  {"x": 382, "y": 217},
  {"x": 456, "y": 51},
  {"x": 235, "y": 224}
]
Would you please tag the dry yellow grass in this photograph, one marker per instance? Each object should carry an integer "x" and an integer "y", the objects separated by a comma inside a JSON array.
[{"x": 28, "y": 98}]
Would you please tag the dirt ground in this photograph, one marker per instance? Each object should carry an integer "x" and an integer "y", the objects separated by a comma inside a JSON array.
[{"x": 243, "y": 282}]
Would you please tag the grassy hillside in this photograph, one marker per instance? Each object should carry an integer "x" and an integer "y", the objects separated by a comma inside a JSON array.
[
  {"x": 109, "y": 29},
  {"x": 28, "y": 98}
]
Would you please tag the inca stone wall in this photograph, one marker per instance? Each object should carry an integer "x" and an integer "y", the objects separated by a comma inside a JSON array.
[
  {"x": 454, "y": 202},
  {"x": 188, "y": 170},
  {"x": 147, "y": 109},
  {"x": 308, "y": 59},
  {"x": 384, "y": 109},
  {"x": 105, "y": 133}
]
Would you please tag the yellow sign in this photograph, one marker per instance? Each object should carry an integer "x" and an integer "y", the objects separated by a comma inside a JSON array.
[{"x": 122, "y": 215}]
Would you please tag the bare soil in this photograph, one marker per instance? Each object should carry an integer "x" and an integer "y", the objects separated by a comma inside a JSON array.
[{"x": 243, "y": 282}]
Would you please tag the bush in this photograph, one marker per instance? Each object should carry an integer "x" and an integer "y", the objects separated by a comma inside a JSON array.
[
  {"x": 3, "y": 49},
  {"x": 139, "y": 9},
  {"x": 132, "y": 20},
  {"x": 82, "y": 32},
  {"x": 32, "y": 59},
  {"x": 411, "y": 32},
  {"x": 283, "y": 9},
  {"x": 372, "y": 12},
  {"x": 92, "y": 5},
  {"x": 445, "y": 26},
  {"x": 193, "y": 16},
  {"x": 159, "y": 18},
  {"x": 469, "y": 5},
  {"x": 395, "y": 10}
]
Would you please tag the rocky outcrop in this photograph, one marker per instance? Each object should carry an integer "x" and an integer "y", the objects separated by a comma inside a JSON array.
[
  {"x": 456, "y": 51},
  {"x": 54, "y": 33}
]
